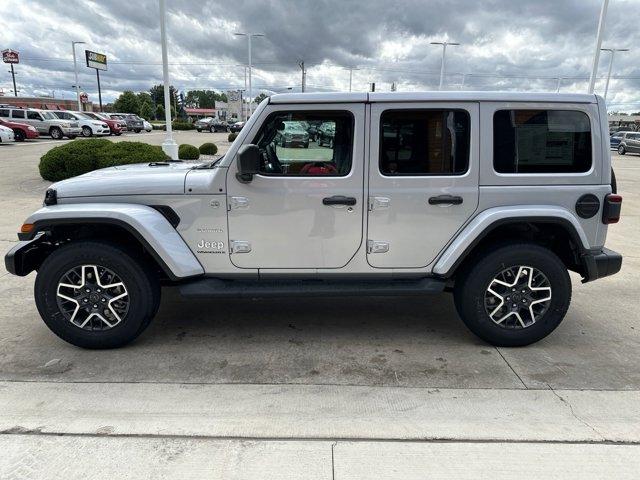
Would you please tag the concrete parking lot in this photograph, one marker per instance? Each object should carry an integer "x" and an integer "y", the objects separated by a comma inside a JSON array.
[{"x": 322, "y": 388}]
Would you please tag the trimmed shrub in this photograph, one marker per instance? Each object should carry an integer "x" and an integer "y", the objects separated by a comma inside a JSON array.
[
  {"x": 178, "y": 125},
  {"x": 83, "y": 156},
  {"x": 208, "y": 148},
  {"x": 72, "y": 159},
  {"x": 188, "y": 152},
  {"x": 232, "y": 136}
]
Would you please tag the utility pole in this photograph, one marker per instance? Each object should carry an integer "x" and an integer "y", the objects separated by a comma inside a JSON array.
[
  {"x": 75, "y": 69},
  {"x": 13, "y": 75},
  {"x": 558, "y": 84},
  {"x": 169, "y": 146},
  {"x": 249, "y": 36},
  {"x": 351, "y": 69},
  {"x": 444, "y": 53},
  {"x": 304, "y": 76},
  {"x": 613, "y": 52},
  {"x": 596, "y": 56}
]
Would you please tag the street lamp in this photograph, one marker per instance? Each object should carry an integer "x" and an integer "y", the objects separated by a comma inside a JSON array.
[
  {"x": 444, "y": 53},
  {"x": 169, "y": 146},
  {"x": 75, "y": 69},
  {"x": 596, "y": 56},
  {"x": 249, "y": 36},
  {"x": 351, "y": 69},
  {"x": 613, "y": 52}
]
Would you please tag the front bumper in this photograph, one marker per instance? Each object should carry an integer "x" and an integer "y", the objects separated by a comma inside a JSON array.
[
  {"x": 26, "y": 255},
  {"x": 601, "y": 263}
]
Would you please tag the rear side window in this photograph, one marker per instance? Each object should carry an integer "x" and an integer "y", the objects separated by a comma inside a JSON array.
[
  {"x": 424, "y": 142},
  {"x": 541, "y": 141},
  {"x": 17, "y": 114}
]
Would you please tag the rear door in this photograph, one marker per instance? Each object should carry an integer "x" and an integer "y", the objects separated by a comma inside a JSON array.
[{"x": 423, "y": 179}]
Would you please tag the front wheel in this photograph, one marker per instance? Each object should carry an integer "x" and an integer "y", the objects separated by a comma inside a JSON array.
[
  {"x": 86, "y": 132},
  {"x": 96, "y": 295},
  {"x": 621, "y": 150},
  {"x": 513, "y": 296}
]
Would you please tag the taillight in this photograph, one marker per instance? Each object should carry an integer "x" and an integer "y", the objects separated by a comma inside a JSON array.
[{"x": 611, "y": 208}]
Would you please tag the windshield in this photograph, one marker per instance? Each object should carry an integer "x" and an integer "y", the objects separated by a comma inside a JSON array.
[
  {"x": 81, "y": 116},
  {"x": 49, "y": 116}
]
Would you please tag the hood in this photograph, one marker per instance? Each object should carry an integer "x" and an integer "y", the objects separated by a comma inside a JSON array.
[{"x": 135, "y": 179}]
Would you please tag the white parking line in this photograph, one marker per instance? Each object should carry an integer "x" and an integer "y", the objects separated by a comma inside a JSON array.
[{"x": 66, "y": 140}]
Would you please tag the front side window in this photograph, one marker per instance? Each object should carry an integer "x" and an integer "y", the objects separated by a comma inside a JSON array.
[
  {"x": 541, "y": 141},
  {"x": 424, "y": 142},
  {"x": 33, "y": 116},
  {"x": 306, "y": 143}
]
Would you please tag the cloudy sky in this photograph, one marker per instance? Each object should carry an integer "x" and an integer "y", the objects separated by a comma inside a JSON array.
[{"x": 505, "y": 44}]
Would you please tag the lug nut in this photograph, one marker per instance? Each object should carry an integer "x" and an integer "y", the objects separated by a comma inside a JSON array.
[
  {"x": 95, "y": 305},
  {"x": 85, "y": 300},
  {"x": 102, "y": 300}
]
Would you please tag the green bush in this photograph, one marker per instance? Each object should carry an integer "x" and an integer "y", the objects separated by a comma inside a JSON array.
[
  {"x": 82, "y": 156},
  {"x": 208, "y": 148},
  {"x": 188, "y": 152},
  {"x": 232, "y": 136},
  {"x": 178, "y": 125}
]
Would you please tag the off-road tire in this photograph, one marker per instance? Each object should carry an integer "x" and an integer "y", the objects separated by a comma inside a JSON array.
[
  {"x": 141, "y": 282},
  {"x": 472, "y": 283}
]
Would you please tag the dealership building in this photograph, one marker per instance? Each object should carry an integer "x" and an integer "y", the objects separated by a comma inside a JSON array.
[{"x": 46, "y": 103}]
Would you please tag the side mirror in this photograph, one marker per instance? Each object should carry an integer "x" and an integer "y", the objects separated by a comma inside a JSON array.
[
  {"x": 280, "y": 126},
  {"x": 248, "y": 158}
]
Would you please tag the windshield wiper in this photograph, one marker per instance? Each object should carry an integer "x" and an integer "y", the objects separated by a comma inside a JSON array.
[{"x": 209, "y": 164}]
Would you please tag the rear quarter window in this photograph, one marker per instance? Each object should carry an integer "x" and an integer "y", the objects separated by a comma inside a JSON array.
[{"x": 541, "y": 141}]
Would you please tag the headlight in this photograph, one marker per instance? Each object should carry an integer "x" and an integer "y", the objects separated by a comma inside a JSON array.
[{"x": 32, "y": 129}]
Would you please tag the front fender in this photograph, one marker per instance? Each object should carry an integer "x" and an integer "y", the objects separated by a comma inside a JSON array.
[
  {"x": 491, "y": 218},
  {"x": 145, "y": 223}
]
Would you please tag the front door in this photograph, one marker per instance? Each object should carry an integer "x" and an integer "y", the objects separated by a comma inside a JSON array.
[
  {"x": 423, "y": 180},
  {"x": 305, "y": 208}
]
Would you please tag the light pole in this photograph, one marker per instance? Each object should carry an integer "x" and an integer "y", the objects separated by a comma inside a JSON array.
[
  {"x": 169, "y": 146},
  {"x": 444, "y": 53},
  {"x": 249, "y": 36},
  {"x": 613, "y": 52},
  {"x": 351, "y": 69},
  {"x": 596, "y": 56},
  {"x": 75, "y": 69}
]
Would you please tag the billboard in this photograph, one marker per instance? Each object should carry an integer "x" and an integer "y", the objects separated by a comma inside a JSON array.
[
  {"x": 96, "y": 60},
  {"x": 10, "y": 56}
]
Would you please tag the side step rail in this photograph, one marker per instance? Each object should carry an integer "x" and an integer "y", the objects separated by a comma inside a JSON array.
[{"x": 215, "y": 287}]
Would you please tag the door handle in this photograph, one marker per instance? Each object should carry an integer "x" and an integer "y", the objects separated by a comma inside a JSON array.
[
  {"x": 445, "y": 200},
  {"x": 339, "y": 200}
]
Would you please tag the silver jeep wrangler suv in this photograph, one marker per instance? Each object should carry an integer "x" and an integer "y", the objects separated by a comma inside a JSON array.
[{"x": 494, "y": 196}]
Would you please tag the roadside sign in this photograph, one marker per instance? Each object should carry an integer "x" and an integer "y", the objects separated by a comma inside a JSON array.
[
  {"x": 96, "y": 60},
  {"x": 10, "y": 56},
  {"x": 84, "y": 98}
]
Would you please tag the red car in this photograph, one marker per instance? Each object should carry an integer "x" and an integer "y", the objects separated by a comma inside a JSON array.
[
  {"x": 116, "y": 126},
  {"x": 21, "y": 131}
]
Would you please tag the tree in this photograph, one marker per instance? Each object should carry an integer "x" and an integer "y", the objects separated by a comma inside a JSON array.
[
  {"x": 260, "y": 98},
  {"x": 157, "y": 94},
  {"x": 146, "y": 110},
  {"x": 127, "y": 102},
  {"x": 144, "y": 97},
  {"x": 160, "y": 112}
]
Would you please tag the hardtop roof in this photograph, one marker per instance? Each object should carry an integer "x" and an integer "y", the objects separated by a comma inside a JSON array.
[{"x": 457, "y": 96}]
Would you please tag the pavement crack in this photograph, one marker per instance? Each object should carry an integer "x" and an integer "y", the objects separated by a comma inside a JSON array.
[
  {"x": 333, "y": 461},
  {"x": 573, "y": 413},
  {"x": 512, "y": 369}
]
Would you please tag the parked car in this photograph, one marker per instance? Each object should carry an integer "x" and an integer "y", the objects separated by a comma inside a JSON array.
[
  {"x": 88, "y": 125},
  {"x": 211, "y": 124},
  {"x": 147, "y": 126},
  {"x": 629, "y": 143},
  {"x": 293, "y": 134},
  {"x": 21, "y": 131},
  {"x": 236, "y": 127},
  {"x": 495, "y": 196},
  {"x": 134, "y": 122},
  {"x": 326, "y": 133},
  {"x": 45, "y": 122},
  {"x": 116, "y": 126},
  {"x": 6, "y": 134}
]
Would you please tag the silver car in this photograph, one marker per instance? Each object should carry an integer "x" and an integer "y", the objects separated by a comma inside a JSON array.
[{"x": 45, "y": 122}]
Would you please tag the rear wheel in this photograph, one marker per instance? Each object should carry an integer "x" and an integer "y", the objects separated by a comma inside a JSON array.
[
  {"x": 621, "y": 150},
  {"x": 18, "y": 135},
  {"x": 514, "y": 295},
  {"x": 56, "y": 133},
  {"x": 96, "y": 295},
  {"x": 212, "y": 129}
]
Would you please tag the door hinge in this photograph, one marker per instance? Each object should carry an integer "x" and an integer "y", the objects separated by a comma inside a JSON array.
[
  {"x": 240, "y": 246},
  {"x": 238, "y": 203},
  {"x": 379, "y": 203},
  {"x": 374, "y": 246}
]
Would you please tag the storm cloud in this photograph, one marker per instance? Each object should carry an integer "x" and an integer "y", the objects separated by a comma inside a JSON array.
[{"x": 505, "y": 44}]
